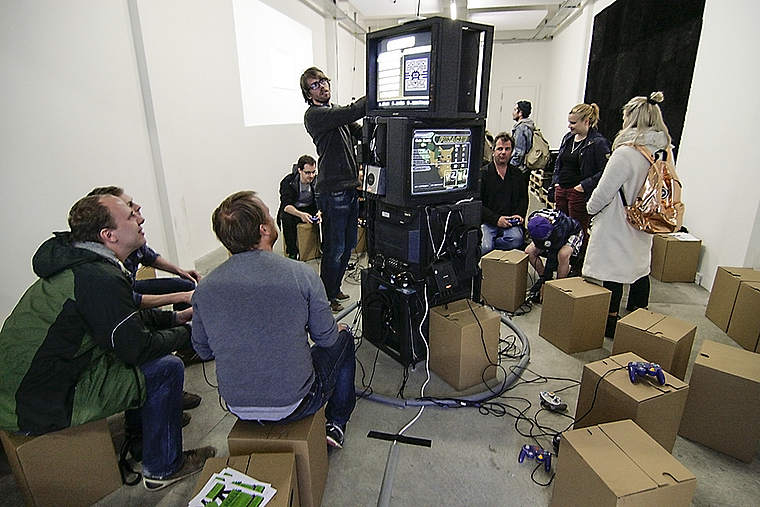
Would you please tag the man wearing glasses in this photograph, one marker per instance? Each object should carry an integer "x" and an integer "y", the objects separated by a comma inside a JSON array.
[
  {"x": 297, "y": 202},
  {"x": 333, "y": 128}
]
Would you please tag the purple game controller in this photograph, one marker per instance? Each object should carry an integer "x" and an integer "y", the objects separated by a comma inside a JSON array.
[
  {"x": 314, "y": 220},
  {"x": 513, "y": 221},
  {"x": 535, "y": 452},
  {"x": 641, "y": 369}
]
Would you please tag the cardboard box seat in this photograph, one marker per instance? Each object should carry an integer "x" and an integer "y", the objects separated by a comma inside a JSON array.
[{"x": 618, "y": 464}]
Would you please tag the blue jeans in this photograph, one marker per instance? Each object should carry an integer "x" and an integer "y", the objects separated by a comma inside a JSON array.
[
  {"x": 160, "y": 418},
  {"x": 498, "y": 238},
  {"x": 340, "y": 216},
  {"x": 163, "y": 286},
  {"x": 334, "y": 370}
]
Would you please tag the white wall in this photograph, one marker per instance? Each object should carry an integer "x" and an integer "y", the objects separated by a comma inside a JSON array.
[{"x": 718, "y": 161}]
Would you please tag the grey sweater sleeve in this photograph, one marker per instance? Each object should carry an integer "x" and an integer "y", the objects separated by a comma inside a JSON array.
[{"x": 323, "y": 328}]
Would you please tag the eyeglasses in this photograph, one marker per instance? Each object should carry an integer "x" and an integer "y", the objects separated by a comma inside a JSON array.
[{"x": 316, "y": 84}]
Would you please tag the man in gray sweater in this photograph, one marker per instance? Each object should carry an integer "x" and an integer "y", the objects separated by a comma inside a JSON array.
[{"x": 255, "y": 314}]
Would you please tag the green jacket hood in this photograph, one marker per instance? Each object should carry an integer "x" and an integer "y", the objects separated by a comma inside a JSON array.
[{"x": 57, "y": 254}]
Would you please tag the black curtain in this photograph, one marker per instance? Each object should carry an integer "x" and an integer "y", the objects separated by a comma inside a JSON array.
[{"x": 641, "y": 46}]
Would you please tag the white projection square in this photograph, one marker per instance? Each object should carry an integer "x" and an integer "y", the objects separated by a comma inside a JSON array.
[{"x": 273, "y": 50}]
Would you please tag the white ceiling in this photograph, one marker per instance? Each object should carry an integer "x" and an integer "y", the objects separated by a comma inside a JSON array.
[{"x": 510, "y": 18}]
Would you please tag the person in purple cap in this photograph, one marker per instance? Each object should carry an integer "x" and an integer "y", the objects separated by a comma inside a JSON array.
[{"x": 557, "y": 237}]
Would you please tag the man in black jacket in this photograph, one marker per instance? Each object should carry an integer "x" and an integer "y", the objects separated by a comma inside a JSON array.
[
  {"x": 297, "y": 202},
  {"x": 333, "y": 130},
  {"x": 504, "y": 196}
]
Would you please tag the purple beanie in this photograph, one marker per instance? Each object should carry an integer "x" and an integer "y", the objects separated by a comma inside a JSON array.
[{"x": 539, "y": 227}]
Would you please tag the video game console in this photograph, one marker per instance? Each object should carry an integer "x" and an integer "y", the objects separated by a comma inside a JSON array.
[
  {"x": 552, "y": 402},
  {"x": 643, "y": 369},
  {"x": 535, "y": 452}
]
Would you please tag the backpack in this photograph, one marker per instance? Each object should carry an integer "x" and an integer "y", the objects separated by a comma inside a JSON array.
[
  {"x": 538, "y": 154},
  {"x": 658, "y": 207}
]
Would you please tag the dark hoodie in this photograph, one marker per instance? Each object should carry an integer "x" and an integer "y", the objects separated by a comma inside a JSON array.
[{"x": 69, "y": 349}]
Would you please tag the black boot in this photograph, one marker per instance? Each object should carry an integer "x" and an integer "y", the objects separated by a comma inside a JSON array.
[{"x": 609, "y": 330}]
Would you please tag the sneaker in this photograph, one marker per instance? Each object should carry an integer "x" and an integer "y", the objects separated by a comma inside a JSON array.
[
  {"x": 342, "y": 296},
  {"x": 194, "y": 461},
  {"x": 190, "y": 400},
  {"x": 335, "y": 306},
  {"x": 334, "y": 435}
]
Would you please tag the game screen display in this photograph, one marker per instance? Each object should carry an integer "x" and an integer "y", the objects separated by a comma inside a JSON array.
[
  {"x": 403, "y": 71},
  {"x": 440, "y": 160}
]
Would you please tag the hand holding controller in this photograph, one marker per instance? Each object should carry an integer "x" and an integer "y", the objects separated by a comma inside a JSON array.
[
  {"x": 642, "y": 369},
  {"x": 535, "y": 452},
  {"x": 314, "y": 219},
  {"x": 514, "y": 221}
]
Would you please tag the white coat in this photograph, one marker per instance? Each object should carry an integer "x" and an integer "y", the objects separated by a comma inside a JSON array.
[{"x": 616, "y": 251}]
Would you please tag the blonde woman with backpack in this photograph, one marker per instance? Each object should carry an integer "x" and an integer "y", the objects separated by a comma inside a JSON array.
[{"x": 618, "y": 254}]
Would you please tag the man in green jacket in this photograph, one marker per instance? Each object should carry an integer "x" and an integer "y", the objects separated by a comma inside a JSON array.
[{"x": 76, "y": 348}]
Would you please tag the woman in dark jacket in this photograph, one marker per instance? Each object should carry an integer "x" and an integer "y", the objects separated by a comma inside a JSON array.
[{"x": 582, "y": 156}]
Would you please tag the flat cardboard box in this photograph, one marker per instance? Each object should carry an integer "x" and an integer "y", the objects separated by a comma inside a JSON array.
[
  {"x": 657, "y": 409},
  {"x": 574, "y": 314},
  {"x": 722, "y": 411},
  {"x": 457, "y": 352},
  {"x": 675, "y": 257},
  {"x": 305, "y": 438},
  {"x": 505, "y": 279},
  {"x": 657, "y": 338},
  {"x": 725, "y": 288},
  {"x": 309, "y": 246},
  {"x": 74, "y": 467},
  {"x": 618, "y": 464},
  {"x": 744, "y": 326},
  {"x": 278, "y": 469}
]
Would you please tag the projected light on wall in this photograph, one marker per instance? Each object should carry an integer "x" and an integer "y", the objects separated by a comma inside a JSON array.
[{"x": 273, "y": 50}]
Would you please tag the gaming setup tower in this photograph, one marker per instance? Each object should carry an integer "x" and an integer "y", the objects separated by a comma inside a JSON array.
[{"x": 427, "y": 97}]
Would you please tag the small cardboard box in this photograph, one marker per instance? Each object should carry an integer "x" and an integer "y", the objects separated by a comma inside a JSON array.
[
  {"x": 618, "y": 464},
  {"x": 657, "y": 409},
  {"x": 675, "y": 257},
  {"x": 657, "y": 338},
  {"x": 744, "y": 326},
  {"x": 457, "y": 349},
  {"x": 725, "y": 288},
  {"x": 505, "y": 279},
  {"x": 305, "y": 438},
  {"x": 574, "y": 314},
  {"x": 309, "y": 246},
  {"x": 74, "y": 467},
  {"x": 722, "y": 410},
  {"x": 278, "y": 469}
]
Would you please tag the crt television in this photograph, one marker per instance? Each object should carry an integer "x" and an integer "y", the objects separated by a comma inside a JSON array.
[
  {"x": 432, "y": 68},
  {"x": 425, "y": 161}
]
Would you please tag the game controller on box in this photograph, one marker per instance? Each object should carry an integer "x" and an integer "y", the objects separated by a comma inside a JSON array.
[
  {"x": 535, "y": 452},
  {"x": 642, "y": 369}
]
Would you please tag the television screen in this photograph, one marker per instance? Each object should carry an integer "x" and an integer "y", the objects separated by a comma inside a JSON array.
[
  {"x": 403, "y": 71},
  {"x": 440, "y": 160}
]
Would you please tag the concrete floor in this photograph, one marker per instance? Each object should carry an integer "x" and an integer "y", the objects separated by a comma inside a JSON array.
[{"x": 473, "y": 457}]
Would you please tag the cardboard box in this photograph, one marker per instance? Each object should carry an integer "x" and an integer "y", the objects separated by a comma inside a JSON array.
[
  {"x": 505, "y": 279},
  {"x": 744, "y": 326},
  {"x": 725, "y": 288},
  {"x": 278, "y": 469},
  {"x": 618, "y": 464},
  {"x": 309, "y": 246},
  {"x": 657, "y": 338},
  {"x": 574, "y": 314},
  {"x": 722, "y": 410},
  {"x": 457, "y": 352},
  {"x": 305, "y": 438},
  {"x": 656, "y": 409},
  {"x": 74, "y": 467},
  {"x": 675, "y": 257}
]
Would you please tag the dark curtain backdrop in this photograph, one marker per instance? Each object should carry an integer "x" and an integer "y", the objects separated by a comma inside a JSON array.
[{"x": 641, "y": 46}]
